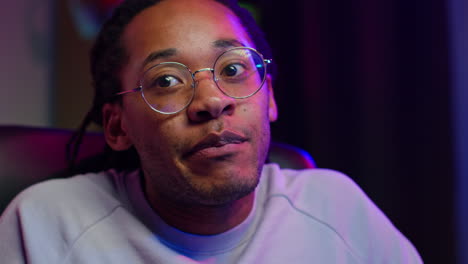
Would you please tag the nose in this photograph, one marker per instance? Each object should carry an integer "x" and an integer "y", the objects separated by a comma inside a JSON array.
[{"x": 209, "y": 101}]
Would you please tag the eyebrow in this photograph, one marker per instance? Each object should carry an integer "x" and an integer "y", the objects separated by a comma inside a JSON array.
[
  {"x": 227, "y": 43},
  {"x": 166, "y": 53},
  {"x": 161, "y": 54}
]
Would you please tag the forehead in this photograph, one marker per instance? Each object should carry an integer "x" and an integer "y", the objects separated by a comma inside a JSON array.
[{"x": 188, "y": 26}]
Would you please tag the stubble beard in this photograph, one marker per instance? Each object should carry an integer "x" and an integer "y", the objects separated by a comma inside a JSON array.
[
  {"x": 182, "y": 187},
  {"x": 219, "y": 194},
  {"x": 185, "y": 189},
  {"x": 237, "y": 184}
]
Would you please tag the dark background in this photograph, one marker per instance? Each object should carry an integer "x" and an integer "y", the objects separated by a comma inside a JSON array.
[{"x": 364, "y": 87}]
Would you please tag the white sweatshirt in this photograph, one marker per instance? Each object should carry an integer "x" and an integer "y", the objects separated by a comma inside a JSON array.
[{"x": 308, "y": 216}]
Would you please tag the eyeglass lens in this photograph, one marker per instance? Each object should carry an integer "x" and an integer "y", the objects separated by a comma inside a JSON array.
[{"x": 169, "y": 87}]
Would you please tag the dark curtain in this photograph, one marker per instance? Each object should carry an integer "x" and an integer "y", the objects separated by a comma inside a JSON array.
[{"x": 364, "y": 86}]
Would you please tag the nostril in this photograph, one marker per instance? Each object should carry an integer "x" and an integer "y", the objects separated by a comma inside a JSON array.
[
  {"x": 210, "y": 111},
  {"x": 228, "y": 109},
  {"x": 203, "y": 115}
]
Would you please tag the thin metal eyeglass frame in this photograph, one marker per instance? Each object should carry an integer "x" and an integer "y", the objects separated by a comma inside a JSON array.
[{"x": 192, "y": 74}]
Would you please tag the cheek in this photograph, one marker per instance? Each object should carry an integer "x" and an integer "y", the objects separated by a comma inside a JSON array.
[
  {"x": 160, "y": 139},
  {"x": 171, "y": 135},
  {"x": 144, "y": 129},
  {"x": 254, "y": 114},
  {"x": 257, "y": 107}
]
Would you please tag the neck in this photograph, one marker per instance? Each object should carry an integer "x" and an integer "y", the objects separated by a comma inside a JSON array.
[{"x": 200, "y": 219}]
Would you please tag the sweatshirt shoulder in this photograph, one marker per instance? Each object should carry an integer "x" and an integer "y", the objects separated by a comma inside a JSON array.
[
  {"x": 334, "y": 200},
  {"x": 321, "y": 182},
  {"x": 61, "y": 211},
  {"x": 68, "y": 194}
]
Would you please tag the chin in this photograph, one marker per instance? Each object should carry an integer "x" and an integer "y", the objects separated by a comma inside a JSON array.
[{"x": 231, "y": 186}]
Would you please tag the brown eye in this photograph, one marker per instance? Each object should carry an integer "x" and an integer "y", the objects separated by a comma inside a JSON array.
[
  {"x": 165, "y": 81},
  {"x": 232, "y": 70}
]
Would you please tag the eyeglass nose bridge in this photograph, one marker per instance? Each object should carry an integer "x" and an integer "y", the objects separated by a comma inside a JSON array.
[{"x": 202, "y": 70}]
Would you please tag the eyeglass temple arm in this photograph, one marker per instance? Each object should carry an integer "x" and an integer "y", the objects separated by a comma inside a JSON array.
[{"x": 130, "y": 91}]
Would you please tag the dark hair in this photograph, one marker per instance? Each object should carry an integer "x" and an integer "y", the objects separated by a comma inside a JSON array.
[{"x": 108, "y": 56}]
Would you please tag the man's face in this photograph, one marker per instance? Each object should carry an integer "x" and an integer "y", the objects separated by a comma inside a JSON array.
[{"x": 212, "y": 152}]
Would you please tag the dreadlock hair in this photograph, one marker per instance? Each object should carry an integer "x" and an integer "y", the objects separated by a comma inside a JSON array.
[{"x": 108, "y": 56}]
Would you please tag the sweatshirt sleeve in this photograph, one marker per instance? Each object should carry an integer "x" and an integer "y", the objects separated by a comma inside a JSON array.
[
  {"x": 28, "y": 230},
  {"x": 12, "y": 248},
  {"x": 44, "y": 222}
]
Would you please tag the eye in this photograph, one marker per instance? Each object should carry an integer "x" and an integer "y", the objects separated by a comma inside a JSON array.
[
  {"x": 232, "y": 70},
  {"x": 165, "y": 81}
]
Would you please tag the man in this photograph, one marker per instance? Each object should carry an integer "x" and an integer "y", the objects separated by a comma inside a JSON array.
[{"x": 182, "y": 82}]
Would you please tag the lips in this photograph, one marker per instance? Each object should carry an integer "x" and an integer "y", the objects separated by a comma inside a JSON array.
[{"x": 214, "y": 140}]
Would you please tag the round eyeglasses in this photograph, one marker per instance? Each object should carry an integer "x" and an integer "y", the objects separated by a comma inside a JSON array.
[{"x": 169, "y": 87}]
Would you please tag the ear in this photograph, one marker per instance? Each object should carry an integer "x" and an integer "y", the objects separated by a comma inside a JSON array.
[
  {"x": 114, "y": 132},
  {"x": 272, "y": 109}
]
